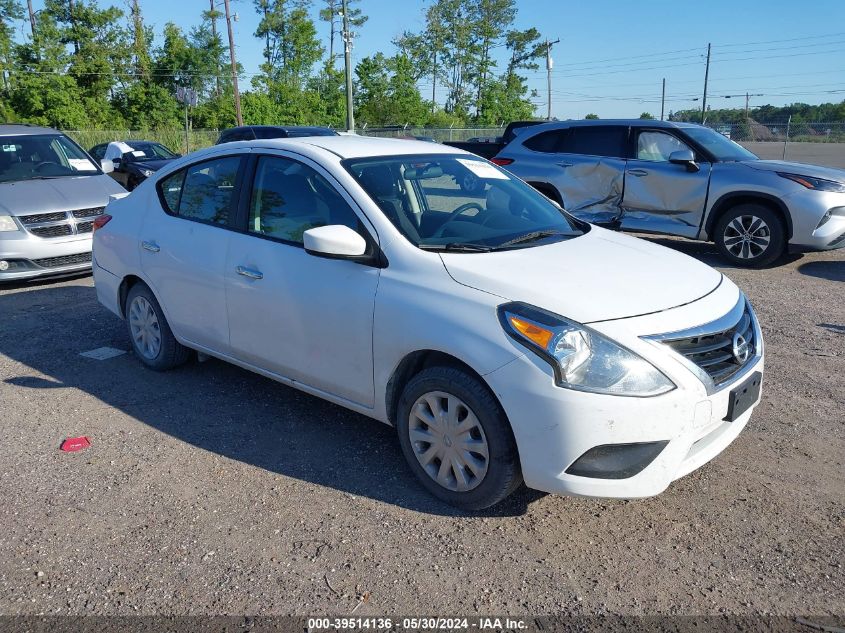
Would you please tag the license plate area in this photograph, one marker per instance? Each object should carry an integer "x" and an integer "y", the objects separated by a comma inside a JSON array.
[{"x": 744, "y": 396}]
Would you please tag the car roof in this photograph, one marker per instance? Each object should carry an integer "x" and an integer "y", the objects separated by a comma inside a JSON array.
[
  {"x": 360, "y": 146},
  {"x": 631, "y": 122},
  {"x": 24, "y": 129}
]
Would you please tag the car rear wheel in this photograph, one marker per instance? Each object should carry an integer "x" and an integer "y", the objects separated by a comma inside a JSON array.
[
  {"x": 457, "y": 439},
  {"x": 750, "y": 235},
  {"x": 151, "y": 336}
]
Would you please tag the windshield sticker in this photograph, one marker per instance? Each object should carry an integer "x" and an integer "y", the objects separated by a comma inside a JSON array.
[
  {"x": 482, "y": 170},
  {"x": 79, "y": 164},
  {"x": 10, "y": 148}
]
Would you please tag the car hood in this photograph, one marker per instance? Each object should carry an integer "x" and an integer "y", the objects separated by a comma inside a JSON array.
[
  {"x": 599, "y": 276},
  {"x": 802, "y": 169},
  {"x": 56, "y": 194},
  {"x": 153, "y": 165}
]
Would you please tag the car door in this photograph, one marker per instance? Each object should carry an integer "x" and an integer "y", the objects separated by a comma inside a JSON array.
[
  {"x": 184, "y": 244},
  {"x": 307, "y": 318},
  {"x": 661, "y": 196}
]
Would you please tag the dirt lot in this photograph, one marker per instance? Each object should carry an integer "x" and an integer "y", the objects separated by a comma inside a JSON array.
[{"x": 212, "y": 490}]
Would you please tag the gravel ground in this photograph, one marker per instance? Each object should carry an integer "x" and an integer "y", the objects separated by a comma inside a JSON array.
[{"x": 211, "y": 490}]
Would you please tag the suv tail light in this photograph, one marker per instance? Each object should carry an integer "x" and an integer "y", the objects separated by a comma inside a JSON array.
[
  {"x": 501, "y": 162},
  {"x": 100, "y": 221}
]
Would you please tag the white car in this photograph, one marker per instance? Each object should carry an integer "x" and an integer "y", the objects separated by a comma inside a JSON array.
[{"x": 504, "y": 339}]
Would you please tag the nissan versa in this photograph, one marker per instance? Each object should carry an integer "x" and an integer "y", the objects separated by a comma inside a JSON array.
[
  {"x": 50, "y": 193},
  {"x": 504, "y": 339}
]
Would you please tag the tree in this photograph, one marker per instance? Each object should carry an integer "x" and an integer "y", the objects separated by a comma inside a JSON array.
[
  {"x": 10, "y": 12},
  {"x": 592, "y": 116},
  {"x": 332, "y": 13},
  {"x": 490, "y": 20},
  {"x": 647, "y": 115},
  {"x": 291, "y": 44}
]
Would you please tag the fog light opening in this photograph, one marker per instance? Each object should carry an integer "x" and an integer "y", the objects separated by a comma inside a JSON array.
[{"x": 616, "y": 461}]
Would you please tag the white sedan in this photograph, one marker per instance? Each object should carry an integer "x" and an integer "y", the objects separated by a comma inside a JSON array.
[{"x": 504, "y": 339}]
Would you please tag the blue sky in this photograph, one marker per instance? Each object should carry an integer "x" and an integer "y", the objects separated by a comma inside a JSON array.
[{"x": 613, "y": 54}]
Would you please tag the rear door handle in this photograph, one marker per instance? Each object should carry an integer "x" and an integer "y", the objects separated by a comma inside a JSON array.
[
  {"x": 562, "y": 164},
  {"x": 638, "y": 172},
  {"x": 249, "y": 272},
  {"x": 150, "y": 246}
]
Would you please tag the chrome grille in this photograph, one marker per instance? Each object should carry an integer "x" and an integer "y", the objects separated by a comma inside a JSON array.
[
  {"x": 61, "y": 223},
  {"x": 35, "y": 218},
  {"x": 88, "y": 213},
  {"x": 714, "y": 351},
  {"x": 64, "y": 260},
  {"x": 57, "y": 230}
]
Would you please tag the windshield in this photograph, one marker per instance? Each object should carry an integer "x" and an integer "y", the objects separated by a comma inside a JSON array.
[
  {"x": 721, "y": 147},
  {"x": 154, "y": 151},
  {"x": 460, "y": 203},
  {"x": 30, "y": 157}
]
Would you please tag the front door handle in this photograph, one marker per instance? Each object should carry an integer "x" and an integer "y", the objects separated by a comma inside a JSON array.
[
  {"x": 150, "y": 246},
  {"x": 638, "y": 172},
  {"x": 249, "y": 272}
]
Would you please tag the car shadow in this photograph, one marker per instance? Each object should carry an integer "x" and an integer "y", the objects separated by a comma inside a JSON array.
[
  {"x": 215, "y": 406},
  {"x": 39, "y": 282},
  {"x": 830, "y": 270}
]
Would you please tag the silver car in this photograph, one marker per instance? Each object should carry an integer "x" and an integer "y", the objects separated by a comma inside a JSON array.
[
  {"x": 51, "y": 192},
  {"x": 682, "y": 179}
]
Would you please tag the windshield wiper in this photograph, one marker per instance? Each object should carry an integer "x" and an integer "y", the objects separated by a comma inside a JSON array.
[
  {"x": 531, "y": 237},
  {"x": 458, "y": 247}
]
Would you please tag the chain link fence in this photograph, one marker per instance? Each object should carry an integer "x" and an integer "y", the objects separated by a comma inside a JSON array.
[{"x": 783, "y": 130}]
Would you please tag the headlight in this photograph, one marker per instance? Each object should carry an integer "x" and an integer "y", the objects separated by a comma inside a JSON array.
[
  {"x": 817, "y": 184},
  {"x": 7, "y": 224},
  {"x": 582, "y": 358},
  {"x": 147, "y": 172}
]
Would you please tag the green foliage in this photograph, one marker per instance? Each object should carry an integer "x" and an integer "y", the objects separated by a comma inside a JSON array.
[
  {"x": 591, "y": 116},
  {"x": 800, "y": 112},
  {"x": 647, "y": 115}
]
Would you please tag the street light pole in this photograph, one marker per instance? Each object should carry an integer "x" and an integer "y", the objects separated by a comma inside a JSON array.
[
  {"x": 238, "y": 117},
  {"x": 347, "y": 58}
]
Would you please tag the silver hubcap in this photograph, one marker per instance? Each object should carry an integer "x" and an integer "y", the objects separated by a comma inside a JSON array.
[
  {"x": 747, "y": 236},
  {"x": 448, "y": 441},
  {"x": 143, "y": 324}
]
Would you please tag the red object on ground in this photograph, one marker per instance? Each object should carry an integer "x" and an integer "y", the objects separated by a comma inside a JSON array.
[{"x": 73, "y": 444}]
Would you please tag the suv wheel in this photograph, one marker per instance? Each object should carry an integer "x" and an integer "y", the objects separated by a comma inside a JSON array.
[
  {"x": 457, "y": 439},
  {"x": 151, "y": 337},
  {"x": 750, "y": 235}
]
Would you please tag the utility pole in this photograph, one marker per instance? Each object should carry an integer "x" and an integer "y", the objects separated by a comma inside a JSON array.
[
  {"x": 663, "y": 99},
  {"x": 31, "y": 16},
  {"x": 347, "y": 58},
  {"x": 706, "y": 76},
  {"x": 238, "y": 116},
  {"x": 212, "y": 15},
  {"x": 549, "y": 65}
]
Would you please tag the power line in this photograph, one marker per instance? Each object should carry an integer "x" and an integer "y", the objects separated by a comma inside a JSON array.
[{"x": 791, "y": 39}]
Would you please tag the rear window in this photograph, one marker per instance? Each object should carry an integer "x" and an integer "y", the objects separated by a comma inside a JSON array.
[
  {"x": 598, "y": 140},
  {"x": 547, "y": 142}
]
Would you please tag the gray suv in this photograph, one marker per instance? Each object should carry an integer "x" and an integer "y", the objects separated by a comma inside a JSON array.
[
  {"x": 51, "y": 193},
  {"x": 682, "y": 179}
]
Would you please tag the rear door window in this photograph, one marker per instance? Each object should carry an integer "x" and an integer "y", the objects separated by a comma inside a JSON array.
[
  {"x": 204, "y": 191},
  {"x": 596, "y": 140}
]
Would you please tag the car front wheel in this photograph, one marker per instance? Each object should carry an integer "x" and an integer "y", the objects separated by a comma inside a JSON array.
[
  {"x": 457, "y": 439},
  {"x": 750, "y": 235}
]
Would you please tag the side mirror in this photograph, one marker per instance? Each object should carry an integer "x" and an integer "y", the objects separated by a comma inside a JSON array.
[
  {"x": 334, "y": 242},
  {"x": 107, "y": 166},
  {"x": 684, "y": 157}
]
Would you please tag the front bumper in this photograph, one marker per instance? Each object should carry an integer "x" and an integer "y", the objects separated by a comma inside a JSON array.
[
  {"x": 813, "y": 229},
  {"x": 28, "y": 256},
  {"x": 553, "y": 426}
]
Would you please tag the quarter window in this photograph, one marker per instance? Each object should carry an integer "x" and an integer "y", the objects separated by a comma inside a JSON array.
[
  {"x": 288, "y": 198},
  {"x": 203, "y": 191},
  {"x": 658, "y": 146},
  {"x": 547, "y": 142},
  {"x": 596, "y": 140}
]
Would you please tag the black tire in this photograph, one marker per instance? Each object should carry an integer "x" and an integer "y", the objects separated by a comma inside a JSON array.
[
  {"x": 171, "y": 353},
  {"x": 728, "y": 238},
  {"x": 503, "y": 473},
  {"x": 549, "y": 191}
]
